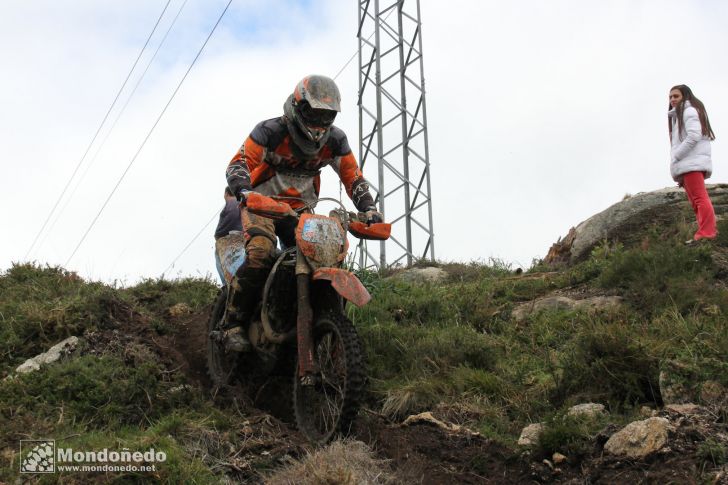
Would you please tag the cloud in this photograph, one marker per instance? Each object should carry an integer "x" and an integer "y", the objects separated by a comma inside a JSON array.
[{"x": 540, "y": 115}]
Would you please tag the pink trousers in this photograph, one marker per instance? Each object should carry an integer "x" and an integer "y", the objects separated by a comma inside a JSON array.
[{"x": 694, "y": 183}]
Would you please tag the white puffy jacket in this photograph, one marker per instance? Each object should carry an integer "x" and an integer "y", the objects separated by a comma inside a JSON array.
[{"x": 690, "y": 149}]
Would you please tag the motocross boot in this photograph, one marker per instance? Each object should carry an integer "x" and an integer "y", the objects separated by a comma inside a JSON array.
[{"x": 246, "y": 293}]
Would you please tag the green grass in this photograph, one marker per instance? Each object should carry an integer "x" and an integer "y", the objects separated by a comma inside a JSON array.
[
  {"x": 120, "y": 396},
  {"x": 572, "y": 436},
  {"x": 713, "y": 452},
  {"x": 41, "y": 306},
  {"x": 92, "y": 392},
  {"x": 158, "y": 295},
  {"x": 90, "y": 403},
  {"x": 454, "y": 346}
]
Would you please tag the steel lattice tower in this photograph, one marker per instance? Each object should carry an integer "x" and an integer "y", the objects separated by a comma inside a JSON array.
[{"x": 393, "y": 128}]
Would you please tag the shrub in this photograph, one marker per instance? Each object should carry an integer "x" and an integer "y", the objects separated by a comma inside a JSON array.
[
  {"x": 607, "y": 363},
  {"x": 157, "y": 295},
  {"x": 662, "y": 276},
  {"x": 41, "y": 306},
  {"x": 99, "y": 392},
  {"x": 569, "y": 435},
  {"x": 713, "y": 452}
]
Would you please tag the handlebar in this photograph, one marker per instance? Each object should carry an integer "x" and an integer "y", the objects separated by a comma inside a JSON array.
[{"x": 271, "y": 207}]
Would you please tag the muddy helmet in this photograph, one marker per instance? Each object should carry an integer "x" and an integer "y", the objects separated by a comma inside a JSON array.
[{"x": 312, "y": 109}]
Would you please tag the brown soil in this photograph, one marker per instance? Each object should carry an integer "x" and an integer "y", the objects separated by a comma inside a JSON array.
[
  {"x": 425, "y": 454},
  {"x": 182, "y": 349},
  {"x": 190, "y": 340}
]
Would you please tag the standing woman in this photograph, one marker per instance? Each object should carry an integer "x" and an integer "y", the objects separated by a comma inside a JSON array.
[{"x": 690, "y": 136}]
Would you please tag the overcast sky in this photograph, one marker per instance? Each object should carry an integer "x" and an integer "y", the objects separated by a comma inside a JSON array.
[{"x": 540, "y": 114}]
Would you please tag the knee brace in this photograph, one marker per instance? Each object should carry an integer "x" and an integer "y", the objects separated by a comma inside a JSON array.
[{"x": 259, "y": 251}]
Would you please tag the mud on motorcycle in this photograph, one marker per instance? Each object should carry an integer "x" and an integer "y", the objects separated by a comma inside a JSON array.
[{"x": 301, "y": 316}]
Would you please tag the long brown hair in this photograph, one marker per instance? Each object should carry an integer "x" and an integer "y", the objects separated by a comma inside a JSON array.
[{"x": 687, "y": 95}]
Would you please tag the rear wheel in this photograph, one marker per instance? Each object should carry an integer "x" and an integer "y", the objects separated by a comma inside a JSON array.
[
  {"x": 221, "y": 366},
  {"x": 329, "y": 406}
]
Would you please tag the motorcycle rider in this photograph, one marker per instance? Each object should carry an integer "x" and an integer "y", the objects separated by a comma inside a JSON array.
[{"x": 284, "y": 156}]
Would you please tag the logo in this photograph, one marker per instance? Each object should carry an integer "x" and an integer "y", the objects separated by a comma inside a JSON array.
[
  {"x": 37, "y": 456},
  {"x": 43, "y": 456}
]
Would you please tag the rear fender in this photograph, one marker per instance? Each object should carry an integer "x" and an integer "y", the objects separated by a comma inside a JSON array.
[{"x": 345, "y": 284}]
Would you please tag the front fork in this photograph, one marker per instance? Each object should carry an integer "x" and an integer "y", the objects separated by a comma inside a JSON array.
[{"x": 307, "y": 369}]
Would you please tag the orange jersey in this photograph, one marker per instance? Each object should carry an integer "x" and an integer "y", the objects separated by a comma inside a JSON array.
[{"x": 271, "y": 164}]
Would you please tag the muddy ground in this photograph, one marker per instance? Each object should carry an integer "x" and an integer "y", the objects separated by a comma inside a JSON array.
[{"x": 421, "y": 453}]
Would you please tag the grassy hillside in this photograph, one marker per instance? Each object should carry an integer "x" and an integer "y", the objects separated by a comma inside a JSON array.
[
  {"x": 452, "y": 347},
  {"x": 455, "y": 347}
]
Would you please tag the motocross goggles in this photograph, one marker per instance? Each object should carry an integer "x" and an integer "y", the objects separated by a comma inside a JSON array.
[{"x": 316, "y": 117}]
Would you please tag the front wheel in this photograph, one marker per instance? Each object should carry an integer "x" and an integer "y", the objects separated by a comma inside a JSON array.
[
  {"x": 330, "y": 405},
  {"x": 221, "y": 366}
]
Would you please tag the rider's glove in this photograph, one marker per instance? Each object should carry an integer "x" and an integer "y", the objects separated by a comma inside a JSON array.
[
  {"x": 373, "y": 216},
  {"x": 243, "y": 196}
]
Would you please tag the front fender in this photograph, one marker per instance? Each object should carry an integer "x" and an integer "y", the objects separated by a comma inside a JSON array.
[{"x": 346, "y": 284}]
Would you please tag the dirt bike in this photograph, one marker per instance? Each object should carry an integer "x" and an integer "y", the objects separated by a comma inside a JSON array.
[{"x": 301, "y": 316}]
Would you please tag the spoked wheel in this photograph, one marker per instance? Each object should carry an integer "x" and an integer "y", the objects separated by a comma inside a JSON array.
[
  {"x": 329, "y": 406},
  {"x": 221, "y": 366}
]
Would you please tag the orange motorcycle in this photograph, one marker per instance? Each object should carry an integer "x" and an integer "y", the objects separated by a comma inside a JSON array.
[{"x": 301, "y": 314}]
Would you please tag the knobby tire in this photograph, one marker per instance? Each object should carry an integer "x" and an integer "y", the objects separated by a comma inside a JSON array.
[
  {"x": 221, "y": 366},
  {"x": 329, "y": 407}
]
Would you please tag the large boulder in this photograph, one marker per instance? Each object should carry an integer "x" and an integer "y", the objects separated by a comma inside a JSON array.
[
  {"x": 639, "y": 439},
  {"x": 592, "y": 304},
  {"x": 625, "y": 221},
  {"x": 589, "y": 409},
  {"x": 430, "y": 274}
]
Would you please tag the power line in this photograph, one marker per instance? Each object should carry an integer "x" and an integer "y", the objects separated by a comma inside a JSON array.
[
  {"x": 78, "y": 165},
  {"x": 193, "y": 240},
  {"x": 148, "y": 135},
  {"x": 347, "y": 63},
  {"x": 113, "y": 125}
]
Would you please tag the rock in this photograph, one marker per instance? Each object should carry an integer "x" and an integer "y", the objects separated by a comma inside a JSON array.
[
  {"x": 647, "y": 412},
  {"x": 595, "y": 303},
  {"x": 530, "y": 434},
  {"x": 428, "y": 418},
  {"x": 179, "y": 310},
  {"x": 599, "y": 303},
  {"x": 430, "y": 274},
  {"x": 639, "y": 439},
  {"x": 180, "y": 388},
  {"x": 684, "y": 408},
  {"x": 587, "y": 409},
  {"x": 62, "y": 348},
  {"x": 627, "y": 219},
  {"x": 558, "y": 458}
]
